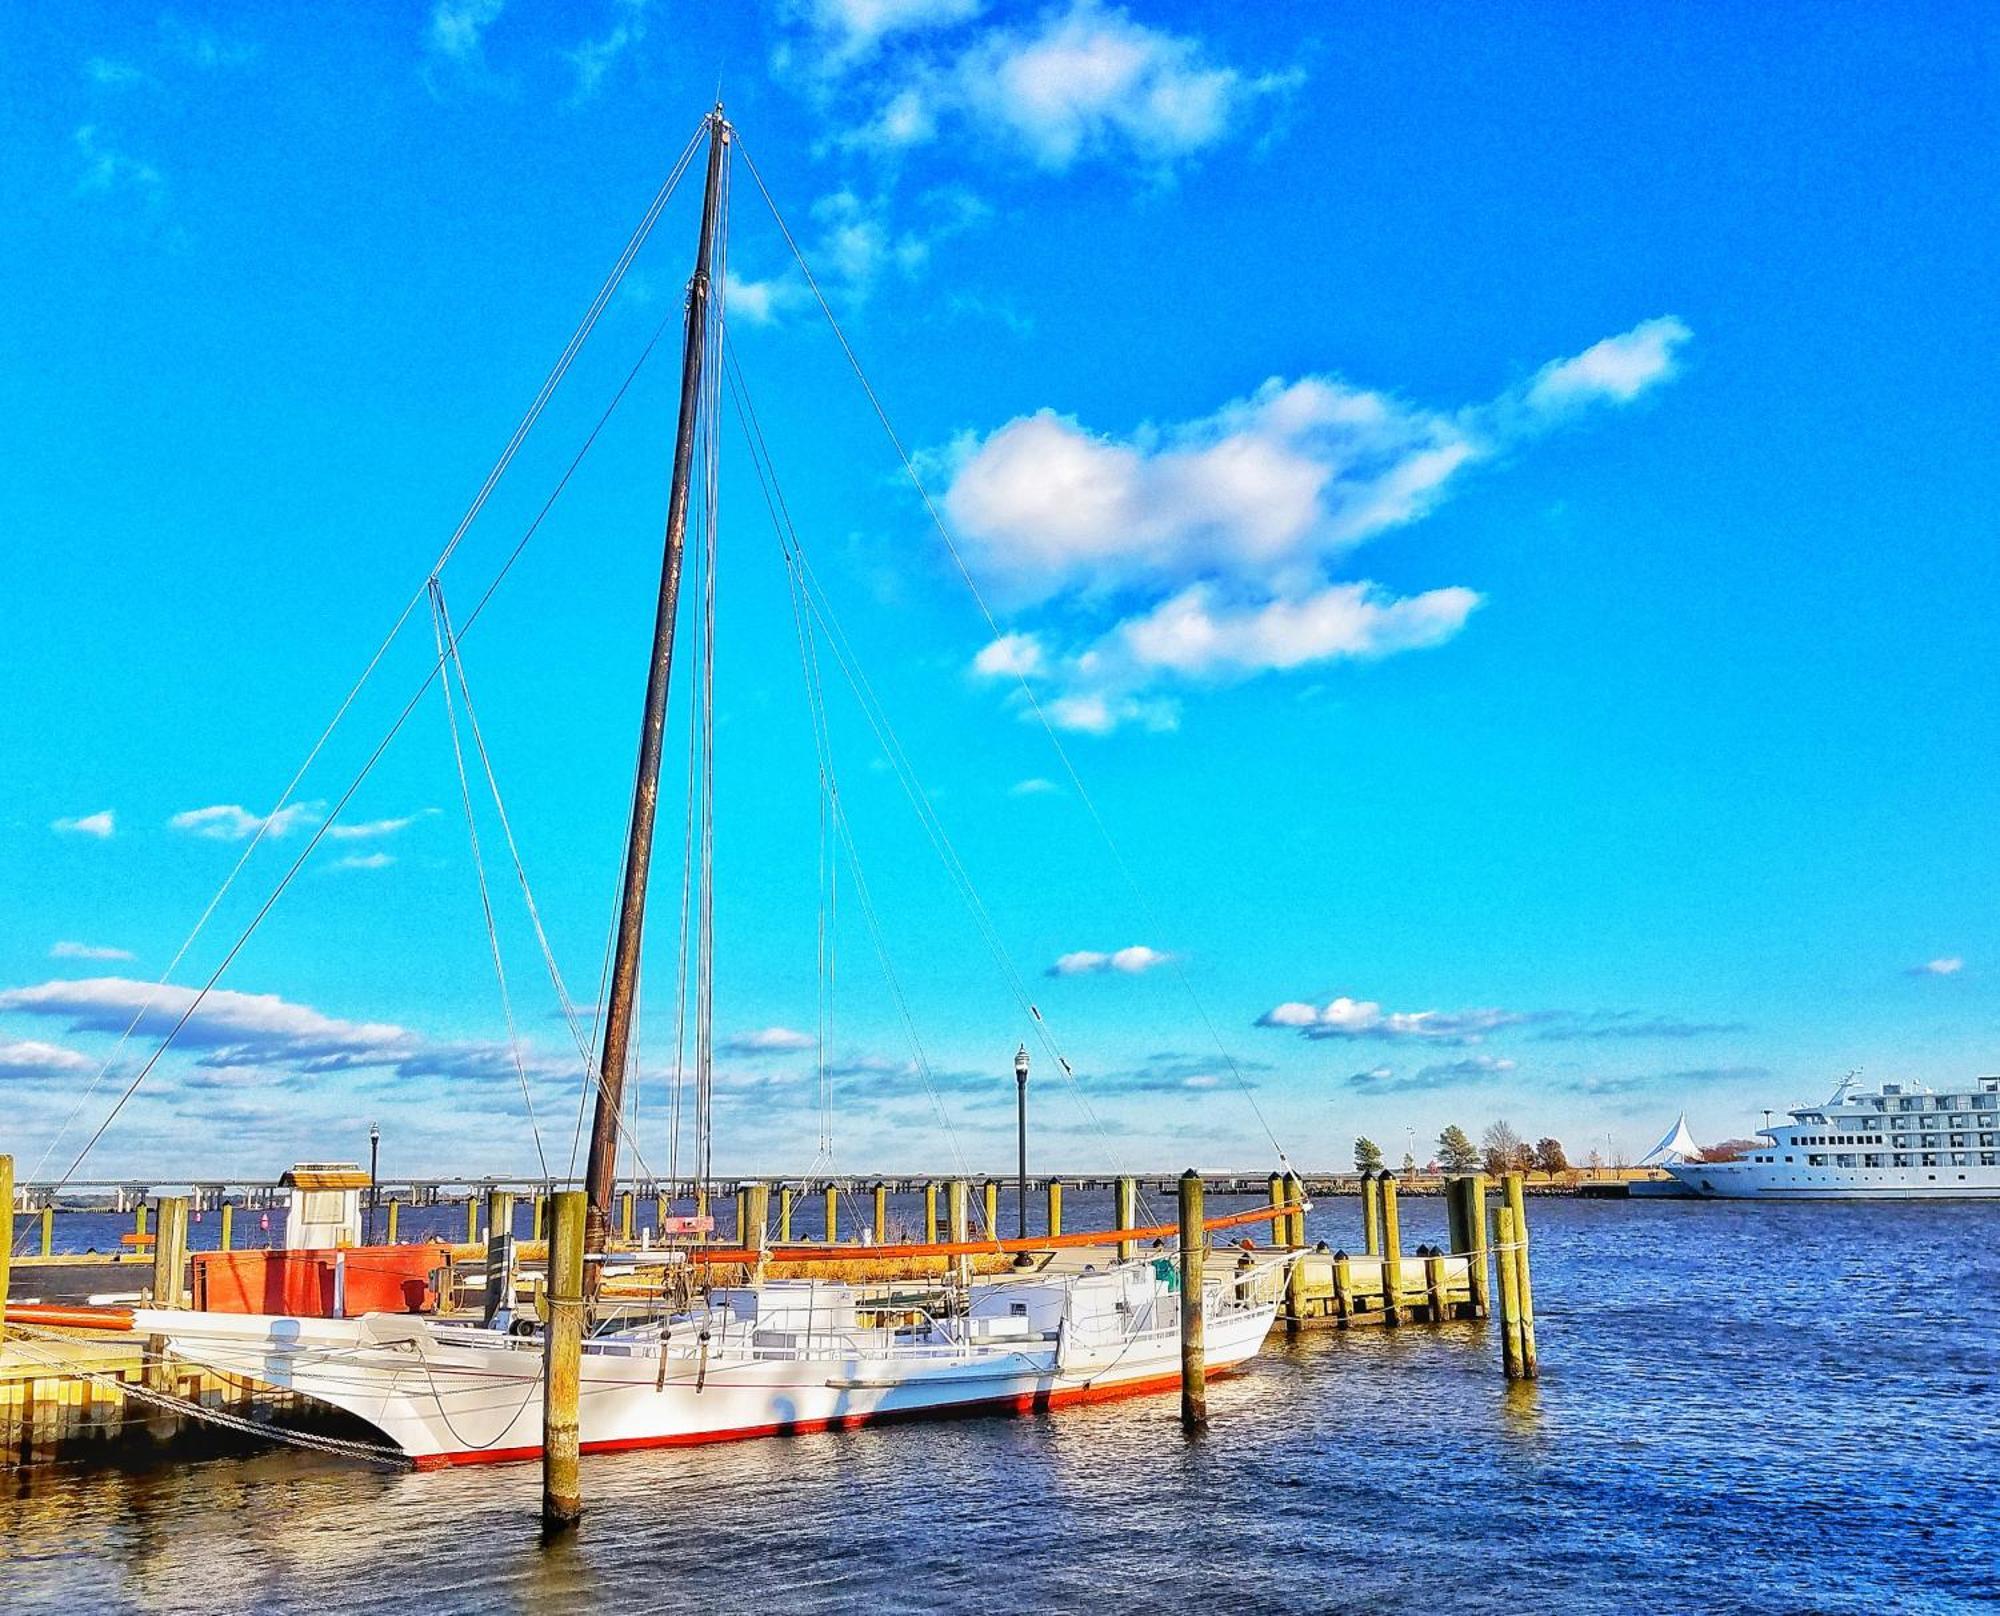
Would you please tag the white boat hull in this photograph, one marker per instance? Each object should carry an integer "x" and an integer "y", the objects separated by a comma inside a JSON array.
[{"x": 448, "y": 1394}]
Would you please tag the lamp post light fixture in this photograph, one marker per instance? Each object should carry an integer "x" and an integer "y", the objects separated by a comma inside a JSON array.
[
  {"x": 374, "y": 1155},
  {"x": 1022, "y": 1259}
]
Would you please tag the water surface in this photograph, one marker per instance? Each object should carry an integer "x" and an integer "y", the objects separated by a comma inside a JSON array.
[{"x": 1744, "y": 1408}]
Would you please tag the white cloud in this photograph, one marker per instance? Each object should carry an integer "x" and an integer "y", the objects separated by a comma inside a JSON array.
[
  {"x": 365, "y": 861},
  {"x": 1948, "y": 965},
  {"x": 1033, "y": 787},
  {"x": 594, "y": 57},
  {"x": 1012, "y": 656},
  {"x": 1347, "y": 1018},
  {"x": 369, "y": 829},
  {"x": 1619, "y": 368},
  {"x": 851, "y": 29},
  {"x": 230, "y": 822},
  {"x": 1081, "y": 81},
  {"x": 248, "y": 1026},
  {"x": 28, "y": 1058},
  {"x": 1222, "y": 530},
  {"x": 458, "y": 27},
  {"x": 102, "y": 826},
  {"x": 113, "y": 74},
  {"x": 1130, "y": 961},
  {"x": 1091, "y": 81},
  {"x": 1191, "y": 634},
  {"x": 106, "y": 169},
  {"x": 87, "y": 951},
  {"x": 767, "y": 1041}
]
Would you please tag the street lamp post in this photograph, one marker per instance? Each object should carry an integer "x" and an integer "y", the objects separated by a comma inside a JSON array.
[
  {"x": 374, "y": 1155},
  {"x": 1021, "y": 1160}
]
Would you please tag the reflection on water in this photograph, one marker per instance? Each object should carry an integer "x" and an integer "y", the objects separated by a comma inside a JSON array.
[{"x": 1786, "y": 1408}]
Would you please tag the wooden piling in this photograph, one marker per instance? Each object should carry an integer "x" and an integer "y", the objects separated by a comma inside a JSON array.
[
  {"x": 930, "y": 1213},
  {"x": 1125, "y": 1212},
  {"x": 1194, "y": 1352},
  {"x": 625, "y": 1217},
  {"x": 989, "y": 1206},
  {"x": 1391, "y": 1249},
  {"x": 139, "y": 1218},
  {"x": 562, "y": 1366},
  {"x": 170, "y": 1248},
  {"x": 1524, "y": 1290},
  {"x": 784, "y": 1213},
  {"x": 226, "y": 1235},
  {"x": 6, "y": 1245},
  {"x": 757, "y": 1214},
  {"x": 832, "y": 1213},
  {"x": 395, "y": 1206},
  {"x": 1281, "y": 1227},
  {"x": 1343, "y": 1287},
  {"x": 1456, "y": 1239},
  {"x": 1055, "y": 1206},
  {"x": 661, "y": 1212},
  {"x": 743, "y": 1216},
  {"x": 1295, "y": 1192},
  {"x": 1510, "y": 1314},
  {"x": 1472, "y": 1224},
  {"x": 1434, "y": 1286},
  {"x": 471, "y": 1218},
  {"x": 881, "y": 1214},
  {"x": 701, "y": 1211},
  {"x": 1371, "y": 1217},
  {"x": 538, "y": 1221}
]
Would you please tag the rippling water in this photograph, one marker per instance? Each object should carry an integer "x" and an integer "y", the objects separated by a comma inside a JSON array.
[{"x": 1742, "y": 1408}]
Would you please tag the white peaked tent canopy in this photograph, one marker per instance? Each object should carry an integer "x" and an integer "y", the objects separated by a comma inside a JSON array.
[{"x": 1678, "y": 1146}]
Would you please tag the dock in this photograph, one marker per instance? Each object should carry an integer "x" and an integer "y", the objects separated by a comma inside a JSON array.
[{"x": 69, "y": 1393}]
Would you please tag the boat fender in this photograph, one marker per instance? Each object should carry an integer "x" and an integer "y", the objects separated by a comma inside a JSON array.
[{"x": 701, "y": 1364}]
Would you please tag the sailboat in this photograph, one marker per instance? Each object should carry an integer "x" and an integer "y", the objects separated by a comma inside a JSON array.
[{"x": 752, "y": 1360}]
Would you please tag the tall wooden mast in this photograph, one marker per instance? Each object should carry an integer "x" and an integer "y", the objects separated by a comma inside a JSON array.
[{"x": 603, "y": 1170}]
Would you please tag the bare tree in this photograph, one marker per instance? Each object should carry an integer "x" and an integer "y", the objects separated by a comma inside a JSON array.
[{"x": 1503, "y": 1148}]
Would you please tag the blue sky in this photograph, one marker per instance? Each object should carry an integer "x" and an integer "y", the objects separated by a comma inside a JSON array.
[{"x": 1495, "y": 507}]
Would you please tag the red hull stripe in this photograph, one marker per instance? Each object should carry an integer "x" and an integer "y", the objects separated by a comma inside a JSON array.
[{"x": 1025, "y": 1403}]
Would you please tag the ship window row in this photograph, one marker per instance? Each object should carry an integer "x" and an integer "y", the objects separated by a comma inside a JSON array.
[{"x": 1958, "y": 1158}]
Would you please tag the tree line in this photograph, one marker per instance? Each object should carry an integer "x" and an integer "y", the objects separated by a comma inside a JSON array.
[{"x": 1500, "y": 1150}]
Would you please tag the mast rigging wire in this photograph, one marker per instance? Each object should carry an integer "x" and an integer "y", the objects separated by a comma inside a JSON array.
[{"x": 1021, "y": 678}]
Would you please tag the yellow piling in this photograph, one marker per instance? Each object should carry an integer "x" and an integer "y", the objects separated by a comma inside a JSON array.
[
  {"x": 6, "y": 1245},
  {"x": 562, "y": 1491},
  {"x": 471, "y": 1217},
  {"x": 538, "y": 1222},
  {"x": 1392, "y": 1251},
  {"x": 1371, "y": 1217},
  {"x": 1125, "y": 1212},
  {"x": 743, "y": 1216},
  {"x": 625, "y": 1217},
  {"x": 1343, "y": 1287},
  {"x": 1472, "y": 1218},
  {"x": 1510, "y": 1315},
  {"x": 1055, "y": 1206},
  {"x": 226, "y": 1240},
  {"x": 757, "y": 1210},
  {"x": 1434, "y": 1286},
  {"x": 1524, "y": 1290},
  {"x": 930, "y": 1213},
  {"x": 394, "y": 1207},
  {"x": 49, "y": 1230},
  {"x": 881, "y": 1214},
  {"x": 784, "y": 1214},
  {"x": 1194, "y": 1353},
  {"x": 832, "y": 1213},
  {"x": 989, "y": 1206},
  {"x": 139, "y": 1218},
  {"x": 1280, "y": 1227},
  {"x": 1295, "y": 1192}
]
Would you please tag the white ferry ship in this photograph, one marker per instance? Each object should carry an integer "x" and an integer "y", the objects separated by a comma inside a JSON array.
[{"x": 1901, "y": 1141}]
